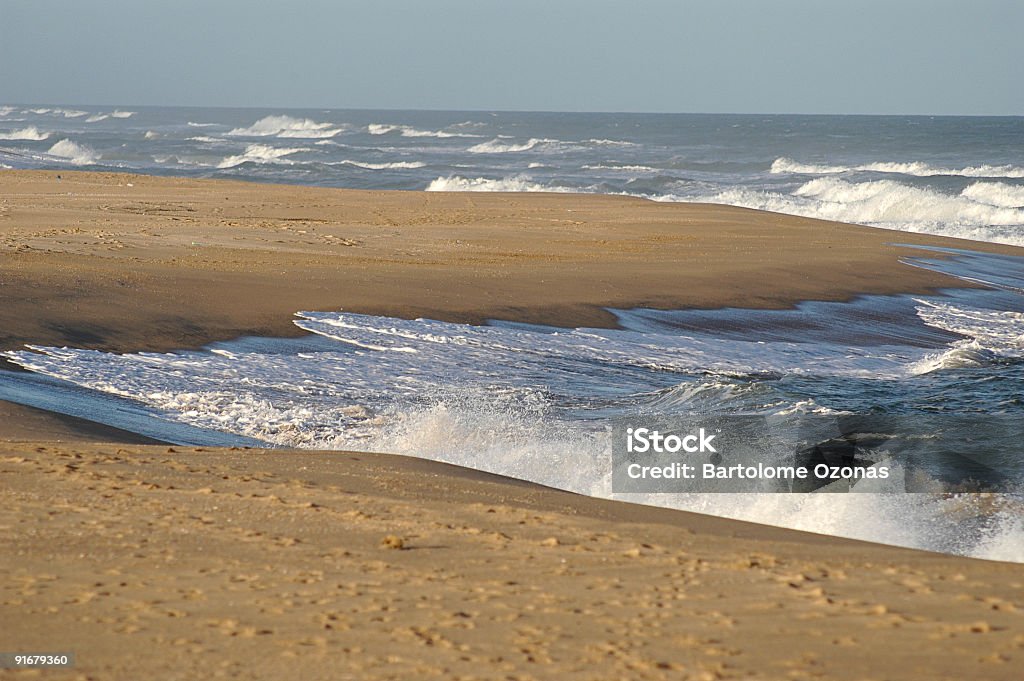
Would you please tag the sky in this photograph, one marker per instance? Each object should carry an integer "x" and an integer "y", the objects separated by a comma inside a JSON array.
[{"x": 736, "y": 56}]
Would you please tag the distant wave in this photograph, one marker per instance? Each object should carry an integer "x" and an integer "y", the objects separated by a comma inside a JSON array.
[
  {"x": 503, "y": 145},
  {"x": 286, "y": 126},
  {"x": 518, "y": 183},
  {"x": 631, "y": 168},
  {"x": 96, "y": 118},
  {"x": 407, "y": 131},
  {"x": 204, "y": 138},
  {"x": 192, "y": 124},
  {"x": 78, "y": 154},
  {"x": 260, "y": 153},
  {"x": 30, "y": 133},
  {"x": 395, "y": 165},
  {"x": 152, "y": 135},
  {"x": 916, "y": 168},
  {"x": 122, "y": 114},
  {"x": 499, "y": 145},
  {"x": 6, "y": 110},
  {"x": 611, "y": 143}
]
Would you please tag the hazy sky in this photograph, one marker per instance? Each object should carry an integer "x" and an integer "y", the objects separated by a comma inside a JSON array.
[{"x": 804, "y": 56}]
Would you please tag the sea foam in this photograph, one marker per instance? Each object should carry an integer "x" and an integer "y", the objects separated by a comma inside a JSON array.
[
  {"x": 287, "y": 126},
  {"x": 78, "y": 154},
  {"x": 916, "y": 168},
  {"x": 409, "y": 131},
  {"x": 518, "y": 183},
  {"x": 30, "y": 133},
  {"x": 886, "y": 203},
  {"x": 261, "y": 153}
]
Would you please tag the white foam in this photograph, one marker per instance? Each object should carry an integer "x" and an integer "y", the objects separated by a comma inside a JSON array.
[
  {"x": 152, "y": 135},
  {"x": 6, "y": 111},
  {"x": 611, "y": 143},
  {"x": 492, "y": 399},
  {"x": 78, "y": 154},
  {"x": 122, "y": 114},
  {"x": 622, "y": 167},
  {"x": 30, "y": 133},
  {"x": 192, "y": 124},
  {"x": 500, "y": 146},
  {"x": 517, "y": 183},
  {"x": 261, "y": 153},
  {"x": 996, "y": 194},
  {"x": 408, "y": 131},
  {"x": 883, "y": 203},
  {"x": 70, "y": 113},
  {"x": 96, "y": 118},
  {"x": 394, "y": 165},
  {"x": 916, "y": 168},
  {"x": 287, "y": 126},
  {"x": 206, "y": 139},
  {"x": 990, "y": 336}
]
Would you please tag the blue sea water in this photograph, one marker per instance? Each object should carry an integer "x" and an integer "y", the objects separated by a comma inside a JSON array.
[
  {"x": 961, "y": 176},
  {"x": 535, "y": 402}
]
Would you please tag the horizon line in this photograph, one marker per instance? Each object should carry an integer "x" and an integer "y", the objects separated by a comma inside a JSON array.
[{"x": 521, "y": 111}]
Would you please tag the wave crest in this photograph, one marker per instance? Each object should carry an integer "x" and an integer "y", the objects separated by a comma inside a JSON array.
[
  {"x": 408, "y": 131},
  {"x": 78, "y": 154},
  {"x": 517, "y": 183},
  {"x": 30, "y": 133},
  {"x": 287, "y": 126},
  {"x": 260, "y": 153},
  {"x": 915, "y": 168}
]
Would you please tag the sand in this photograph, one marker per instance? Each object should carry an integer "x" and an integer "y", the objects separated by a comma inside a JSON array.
[
  {"x": 128, "y": 262},
  {"x": 170, "y": 562},
  {"x": 160, "y": 563}
]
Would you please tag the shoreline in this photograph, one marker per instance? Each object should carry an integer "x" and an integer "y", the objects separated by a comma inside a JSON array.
[
  {"x": 170, "y": 263},
  {"x": 387, "y": 565}
]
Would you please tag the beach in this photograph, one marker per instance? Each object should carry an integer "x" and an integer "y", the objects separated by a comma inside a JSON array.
[{"x": 152, "y": 560}]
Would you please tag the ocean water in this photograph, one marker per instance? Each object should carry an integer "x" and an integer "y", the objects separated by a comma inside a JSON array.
[
  {"x": 960, "y": 176},
  {"x": 536, "y": 403}
]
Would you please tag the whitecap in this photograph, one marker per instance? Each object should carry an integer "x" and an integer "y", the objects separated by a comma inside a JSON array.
[
  {"x": 31, "y": 133},
  {"x": 78, "y": 154},
  {"x": 287, "y": 126},
  {"x": 260, "y": 153},
  {"x": 914, "y": 168}
]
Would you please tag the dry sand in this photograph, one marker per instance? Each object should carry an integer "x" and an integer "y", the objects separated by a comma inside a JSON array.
[{"x": 158, "y": 562}]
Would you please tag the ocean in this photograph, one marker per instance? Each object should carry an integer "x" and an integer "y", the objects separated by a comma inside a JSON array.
[
  {"x": 959, "y": 176},
  {"x": 945, "y": 371}
]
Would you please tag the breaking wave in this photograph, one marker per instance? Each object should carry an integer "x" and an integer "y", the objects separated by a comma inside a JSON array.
[
  {"x": 30, "y": 133},
  {"x": 286, "y": 126},
  {"x": 408, "y": 131},
  {"x": 395, "y": 165},
  {"x": 260, "y": 153},
  {"x": 518, "y": 183},
  {"x": 916, "y": 168},
  {"x": 78, "y": 154},
  {"x": 996, "y": 194},
  {"x": 502, "y": 146},
  {"x": 890, "y": 204}
]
